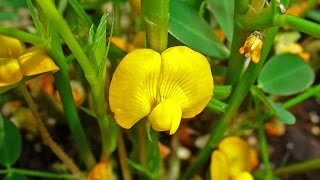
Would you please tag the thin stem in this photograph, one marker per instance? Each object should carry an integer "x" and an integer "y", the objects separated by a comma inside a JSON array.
[
  {"x": 100, "y": 108},
  {"x": 217, "y": 106},
  {"x": 21, "y": 35},
  {"x": 302, "y": 167},
  {"x": 264, "y": 149},
  {"x": 62, "y": 81},
  {"x": 123, "y": 158},
  {"x": 305, "y": 95},
  {"x": 236, "y": 61},
  {"x": 156, "y": 17},
  {"x": 39, "y": 174},
  {"x": 62, "y": 27},
  {"x": 297, "y": 23},
  {"x": 56, "y": 149},
  {"x": 142, "y": 147},
  {"x": 236, "y": 99}
]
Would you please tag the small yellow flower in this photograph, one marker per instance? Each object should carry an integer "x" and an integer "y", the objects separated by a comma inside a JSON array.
[
  {"x": 252, "y": 46},
  {"x": 232, "y": 161},
  {"x": 101, "y": 171},
  {"x": 165, "y": 87},
  {"x": 16, "y": 63}
]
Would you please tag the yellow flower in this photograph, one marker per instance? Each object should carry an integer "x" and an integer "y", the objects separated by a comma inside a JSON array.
[
  {"x": 233, "y": 160},
  {"x": 165, "y": 87},
  {"x": 101, "y": 171},
  {"x": 252, "y": 46},
  {"x": 287, "y": 43},
  {"x": 14, "y": 63}
]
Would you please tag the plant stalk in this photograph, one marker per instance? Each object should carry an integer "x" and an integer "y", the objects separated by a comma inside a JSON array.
[{"x": 156, "y": 17}]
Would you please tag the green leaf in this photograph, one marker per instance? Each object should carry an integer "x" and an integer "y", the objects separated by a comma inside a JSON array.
[
  {"x": 80, "y": 12},
  {"x": 285, "y": 74},
  {"x": 11, "y": 143},
  {"x": 1, "y": 131},
  {"x": 15, "y": 177},
  {"x": 223, "y": 12},
  {"x": 140, "y": 168},
  {"x": 35, "y": 18},
  {"x": 188, "y": 27},
  {"x": 284, "y": 115},
  {"x": 222, "y": 92},
  {"x": 9, "y": 16}
]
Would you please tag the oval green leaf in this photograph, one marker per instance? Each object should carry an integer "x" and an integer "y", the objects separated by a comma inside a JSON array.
[
  {"x": 11, "y": 143},
  {"x": 188, "y": 27},
  {"x": 285, "y": 75}
]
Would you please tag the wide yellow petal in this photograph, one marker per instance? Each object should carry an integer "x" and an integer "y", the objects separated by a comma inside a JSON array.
[
  {"x": 132, "y": 90},
  {"x": 238, "y": 154},
  {"x": 219, "y": 166},
  {"x": 166, "y": 116},
  {"x": 36, "y": 61},
  {"x": 10, "y": 47},
  {"x": 186, "y": 77},
  {"x": 10, "y": 72},
  {"x": 244, "y": 176}
]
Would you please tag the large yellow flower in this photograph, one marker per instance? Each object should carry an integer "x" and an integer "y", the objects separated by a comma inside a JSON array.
[
  {"x": 233, "y": 160},
  {"x": 16, "y": 63},
  {"x": 165, "y": 87}
]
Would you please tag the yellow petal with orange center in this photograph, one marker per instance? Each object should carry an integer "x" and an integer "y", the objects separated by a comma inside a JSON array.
[
  {"x": 10, "y": 72},
  {"x": 10, "y": 47},
  {"x": 36, "y": 61},
  {"x": 133, "y": 87},
  {"x": 219, "y": 166},
  {"x": 185, "y": 77},
  {"x": 166, "y": 116},
  {"x": 238, "y": 154}
]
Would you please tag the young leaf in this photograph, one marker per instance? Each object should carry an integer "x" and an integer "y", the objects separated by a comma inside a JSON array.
[
  {"x": 223, "y": 12},
  {"x": 188, "y": 27},
  {"x": 11, "y": 143},
  {"x": 285, "y": 74}
]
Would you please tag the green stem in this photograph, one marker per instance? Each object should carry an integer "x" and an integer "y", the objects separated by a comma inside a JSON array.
[
  {"x": 235, "y": 64},
  {"x": 217, "y": 106},
  {"x": 100, "y": 108},
  {"x": 62, "y": 27},
  {"x": 302, "y": 167},
  {"x": 264, "y": 149},
  {"x": 236, "y": 99},
  {"x": 297, "y": 23},
  {"x": 62, "y": 82},
  {"x": 156, "y": 17},
  {"x": 305, "y": 95},
  {"x": 21, "y": 35},
  {"x": 38, "y": 174}
]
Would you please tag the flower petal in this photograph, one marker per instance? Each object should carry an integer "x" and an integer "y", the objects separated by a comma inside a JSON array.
[
  {"x": 186, "y": 77},
  {"x": 133, "y": 87},
  {"x": 10, "y": 47},
  {"x": 36, "y": 61},
  {"x": 10, "y": 72},
  {"x": 166, "y": 116},
  {"x": 244, "y": 176},
  {"x": 238, "y": 154},
  {"x": 219, "y": 166}
]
